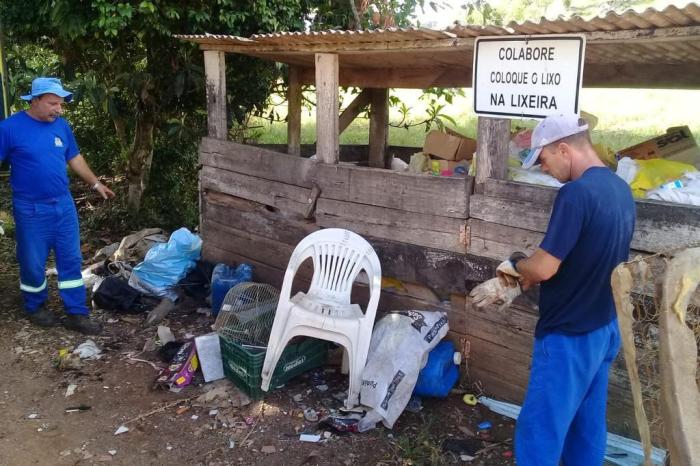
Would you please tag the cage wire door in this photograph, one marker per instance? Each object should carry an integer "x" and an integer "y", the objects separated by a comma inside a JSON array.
[{"x": 247, "y": 314}]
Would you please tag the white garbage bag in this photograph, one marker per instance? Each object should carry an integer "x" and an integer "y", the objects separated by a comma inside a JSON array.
[{"x": 398, "y": 351}]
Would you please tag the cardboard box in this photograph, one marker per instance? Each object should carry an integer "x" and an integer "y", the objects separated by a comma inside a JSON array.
[
  {"x": 449, "y": 145},
  {"x": 678, "y": 144}
]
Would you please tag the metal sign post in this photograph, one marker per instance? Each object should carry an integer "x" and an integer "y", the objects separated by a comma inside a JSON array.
[{"x": 528, "y": 77}]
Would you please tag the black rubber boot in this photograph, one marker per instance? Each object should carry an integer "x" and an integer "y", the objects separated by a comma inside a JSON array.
[
  {"x": 82, "y": 324},
  {"x": 44, "y": 318}
]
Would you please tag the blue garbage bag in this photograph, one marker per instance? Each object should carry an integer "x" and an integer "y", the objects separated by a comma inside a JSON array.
[{"x": 166, "y": 264}]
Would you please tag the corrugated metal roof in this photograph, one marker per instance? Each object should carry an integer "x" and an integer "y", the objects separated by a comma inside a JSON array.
[
  {"x": 631, "y": 49},
  {"x": 669, "y": 17}
]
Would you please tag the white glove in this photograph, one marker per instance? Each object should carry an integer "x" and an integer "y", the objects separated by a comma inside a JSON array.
[{"x": 495, "y": 291}]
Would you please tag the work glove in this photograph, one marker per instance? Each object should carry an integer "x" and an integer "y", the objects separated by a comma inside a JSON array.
[
  {"x": 504, "y": 288},
  {"x": 495, "y": 291}
]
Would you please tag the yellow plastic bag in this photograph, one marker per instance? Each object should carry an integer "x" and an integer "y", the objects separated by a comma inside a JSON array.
[{"x": 653, "y": 173}]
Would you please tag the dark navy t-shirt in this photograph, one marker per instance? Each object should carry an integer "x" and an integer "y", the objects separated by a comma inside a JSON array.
[
  {"x": 37, "y": 152},
  {"x": 590, "y": 232}
]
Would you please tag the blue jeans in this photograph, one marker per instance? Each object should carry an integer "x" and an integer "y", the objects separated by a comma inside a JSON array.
[
  {"x": 40, "y": 227},
  {"x": 563, "y": 416}
]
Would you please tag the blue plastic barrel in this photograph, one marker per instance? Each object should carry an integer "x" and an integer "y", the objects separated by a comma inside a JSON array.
[
  {"x": 440, "y": 373},
  {"x": 223, "y": 279}
]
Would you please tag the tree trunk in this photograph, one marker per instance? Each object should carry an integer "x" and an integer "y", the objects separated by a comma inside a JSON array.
[{"x": 140, "y": 159}]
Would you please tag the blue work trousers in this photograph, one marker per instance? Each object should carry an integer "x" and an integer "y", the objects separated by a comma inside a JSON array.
[
  {"x": 563, "y": 416},
  {"x": 40, "y": 227}
]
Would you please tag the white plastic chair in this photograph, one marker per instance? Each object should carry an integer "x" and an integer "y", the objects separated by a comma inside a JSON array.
[{"x": 325, "y": 311}]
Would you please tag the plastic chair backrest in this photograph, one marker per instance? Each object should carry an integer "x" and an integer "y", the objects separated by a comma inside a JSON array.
[{"x": 338, "y": 256}]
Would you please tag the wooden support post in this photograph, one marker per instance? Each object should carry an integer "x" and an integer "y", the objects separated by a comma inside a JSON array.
[
  {"x": 378, "y": 127},
  {"x": 215, "y": 73},
  {"x": 327, "y": 148},
  {"x": 358, "y": 104},
  {"x": 294, "y": 112},
  {"x": 493, "y": 135}
]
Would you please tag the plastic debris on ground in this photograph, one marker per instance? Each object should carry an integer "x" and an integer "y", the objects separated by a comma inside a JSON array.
[
  {"x": 222, "y": 394},
  {"x": 615, "y": 445},
  {"x": 340, "y": 424},
  {"x": 181, "y": 370},
  {"x": 121, "y": 430},
  {"x": 398, "y": 349},
  {"x": 209, "y": 353},
  {"x": 166, "y": 264},
  {"x": 310, "y": 438},
  {"x": 71, "y": 390},
  {"x": 165, "y": 335},
  {"x": 88, "y": 350}
]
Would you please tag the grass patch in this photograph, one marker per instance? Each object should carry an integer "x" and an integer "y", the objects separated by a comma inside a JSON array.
[
  {"x": 420, "y": 448},
  {"x": 625, "y": 117}
]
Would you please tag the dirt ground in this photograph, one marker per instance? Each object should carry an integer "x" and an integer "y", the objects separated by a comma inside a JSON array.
[{"x": 171, "y": 428}]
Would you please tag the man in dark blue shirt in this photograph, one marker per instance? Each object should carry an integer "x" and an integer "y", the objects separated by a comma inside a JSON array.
[
  {"x": 38, "y": 144},
  {"x": 576, "y": 337}
]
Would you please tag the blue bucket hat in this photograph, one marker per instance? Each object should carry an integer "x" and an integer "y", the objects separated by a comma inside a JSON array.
[{"x": 43, "y": 85}]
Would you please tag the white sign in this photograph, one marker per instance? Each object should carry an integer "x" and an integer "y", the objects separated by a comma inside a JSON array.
[{"x": 528, "y": 77}]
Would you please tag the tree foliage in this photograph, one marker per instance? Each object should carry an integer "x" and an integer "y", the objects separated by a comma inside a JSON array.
[{"x": 121, "y": 57}]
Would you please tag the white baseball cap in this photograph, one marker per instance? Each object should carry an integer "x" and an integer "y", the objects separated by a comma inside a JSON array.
[{"x": 552, "y": 129}]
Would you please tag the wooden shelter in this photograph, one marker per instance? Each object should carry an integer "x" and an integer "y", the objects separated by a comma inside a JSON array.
[{"x": 437, "y": 236}]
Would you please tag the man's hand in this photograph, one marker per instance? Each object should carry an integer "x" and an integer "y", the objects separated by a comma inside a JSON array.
[
  {"x": 104, "y": 191},
  {"x": 494, "y": 291}
]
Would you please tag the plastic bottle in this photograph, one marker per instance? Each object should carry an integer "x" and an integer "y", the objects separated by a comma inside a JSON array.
[
  {"x": 223, "y": 279},
  {"x": 440, "y": 373}
]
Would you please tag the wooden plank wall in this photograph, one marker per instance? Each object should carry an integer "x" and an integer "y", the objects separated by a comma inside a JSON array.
[{"x": 431, "y": 235}]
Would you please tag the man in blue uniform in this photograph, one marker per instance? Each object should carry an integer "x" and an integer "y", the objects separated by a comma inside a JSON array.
[
  {"x": 576, "y": 337},
  {"x": 38, "y": 144}
]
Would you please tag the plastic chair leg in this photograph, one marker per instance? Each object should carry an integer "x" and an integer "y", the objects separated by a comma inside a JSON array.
[{"x": 345, "y": 367}]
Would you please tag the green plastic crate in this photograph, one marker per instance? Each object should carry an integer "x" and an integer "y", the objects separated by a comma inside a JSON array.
[{"x": 243, "y": 366}]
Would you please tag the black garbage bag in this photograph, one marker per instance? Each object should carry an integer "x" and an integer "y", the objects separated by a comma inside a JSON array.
[{"x": 115, "y": 294}]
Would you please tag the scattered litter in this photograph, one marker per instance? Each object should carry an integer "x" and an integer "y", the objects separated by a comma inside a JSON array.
[
  {"x": 67, "y": 361},
  {"x": 165, "y": 335},
  {"x": 310, "y": 415},
  {"x": 121, "y": 430},
  {"x": 204, "y": 311},
  {"x": 88, "y": 350},
  {"x": 213, "y": 412},
  {"x": 507, "y": 454},
  {"x": 340, "y": 424},
  {"x": 298, "y": 397},
  {"x": 112, "y": 452},
  {"x": 310, "y": 438},
  {"x": 486, "y": 425},
  {"x": 209, "y": 353},
  {"x": 33, "y": 416},
  {"x": 400, "y": 342},
  {"x": 268, "y": 449},
  {"x": 74, "y": 409},
  {"x": 322, "y": 388},
  {"x": 194, "y": 417},
  {"x": 65, "y": 453},
  {"x": 415, "y": 404},
  {"x": 131, "y": 359},
  {"x": 149, "y": 345},
  {"x": 470, "y": 399},
  {"x": 169, "y": 447},
  {"x": 231, "y": 443},
  {"x": 249, "y": 420},
  {"x": 466, "y": 458},
  {"x": 327, "y": 435},
  {"x": 221, "y": 394},
  {"x": 181, "y": 370},
  {"x": 71, "y": 389},
  {"x": 181, "y": 410}
]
